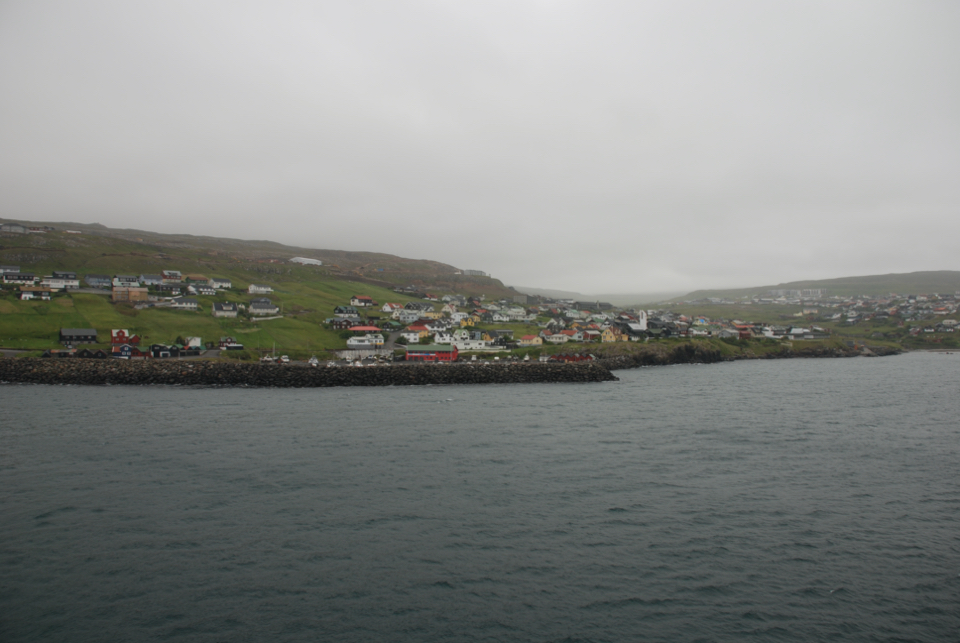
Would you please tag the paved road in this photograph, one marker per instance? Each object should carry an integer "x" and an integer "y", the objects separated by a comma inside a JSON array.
[{"x": 390, "y": 342}]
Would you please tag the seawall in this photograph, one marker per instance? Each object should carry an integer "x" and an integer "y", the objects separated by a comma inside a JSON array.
[
  {"x": 697, "y": 353},
  {"x": 202, "y": 373}
]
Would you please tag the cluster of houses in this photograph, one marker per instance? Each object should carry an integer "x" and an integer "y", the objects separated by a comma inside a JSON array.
[
  {"x": 434, "y": 326},
  {"x": 175, "y": 289},
  {"x": 38, "y": 287},
  {"x": 919, "y": 313},
  {"x": 123, "y": 345},
  {"x": 127, "y": 345}
]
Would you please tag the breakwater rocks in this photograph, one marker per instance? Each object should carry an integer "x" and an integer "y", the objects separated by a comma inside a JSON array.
[
  {"x": 203, "y": 373},
  {"x": 695, "y": 353}
]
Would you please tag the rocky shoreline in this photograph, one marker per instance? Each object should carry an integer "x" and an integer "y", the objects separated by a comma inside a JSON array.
[
  {"x": 209, "y": 373},
  {"x": 694, "y": 353},
  {"x": 94, "y": 372}
]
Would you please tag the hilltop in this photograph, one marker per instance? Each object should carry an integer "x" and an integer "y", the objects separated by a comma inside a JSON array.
[
  {"x": 936, "y": 281},
  {"x": 111, "y": 250}
]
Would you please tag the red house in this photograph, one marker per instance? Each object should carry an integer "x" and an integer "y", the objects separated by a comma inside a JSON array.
[
  {"x": 566, "y": 357},
  {"x": 432, "y": 353},
  {"x": 120, "y": 336}
]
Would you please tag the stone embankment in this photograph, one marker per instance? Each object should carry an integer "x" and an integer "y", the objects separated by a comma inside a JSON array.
[
  {"x": 694, "y": 353},
  {"x": 202, "y": 373}
]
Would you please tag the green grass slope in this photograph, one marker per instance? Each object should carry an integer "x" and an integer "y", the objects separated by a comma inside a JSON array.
[
  {"x": 306, "y": 295},
  {"x": 109, "y": 250}
]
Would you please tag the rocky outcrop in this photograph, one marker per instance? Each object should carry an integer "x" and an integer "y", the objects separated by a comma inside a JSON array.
[
  {"x": 203, "y": 373},
  {"x": 663, "y": 356}
]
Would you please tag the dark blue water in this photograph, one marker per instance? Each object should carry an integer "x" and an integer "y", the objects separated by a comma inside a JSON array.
[{"x": 796, "y": 500}]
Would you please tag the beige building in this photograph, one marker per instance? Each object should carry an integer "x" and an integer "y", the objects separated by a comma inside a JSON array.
[{"x": 129, "y": 294}]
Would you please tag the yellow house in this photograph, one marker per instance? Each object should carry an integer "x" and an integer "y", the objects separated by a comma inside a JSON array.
[
  {"x": 608, "y": 335},
  {"x": 531, "y": 340},
  {"x": 420, "y": 330},
  {"x": 466, "y": 321},
  {"x": 430, "y": 314}
]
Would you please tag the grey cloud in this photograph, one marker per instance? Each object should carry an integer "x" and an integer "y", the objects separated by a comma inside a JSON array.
[{"x": 586, "y": 146}]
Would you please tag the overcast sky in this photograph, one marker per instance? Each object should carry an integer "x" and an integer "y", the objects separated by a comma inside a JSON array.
[{"x": 592, "y": 146}]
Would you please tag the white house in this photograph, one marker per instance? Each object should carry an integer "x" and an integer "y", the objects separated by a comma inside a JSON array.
[
  {"x": 126, "y": 281},
  {"x": 374, "y": 340},
  {"x": 362, "y": 301},
  {"x": 59, "y": 283},
  {"x": 259, "y": 289},
  {"x": 475, "y": 345},
  {"x": 184, "y": 303},
  {"x": 221, "y": 284},
  {"x": 411, "y": 336},
  {"x": 306, "y": 261},
  {"x": 35, "y": 294}
]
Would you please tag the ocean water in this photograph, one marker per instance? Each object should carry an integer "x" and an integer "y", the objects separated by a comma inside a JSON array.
[{"x": 790, "y": 500}]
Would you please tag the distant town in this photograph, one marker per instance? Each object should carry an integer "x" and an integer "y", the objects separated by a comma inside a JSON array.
[
  {"x": 419, "y": 324},
  {"x": 440, "y": 327}
]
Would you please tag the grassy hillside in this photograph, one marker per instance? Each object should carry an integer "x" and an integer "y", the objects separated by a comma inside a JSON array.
[
  {"x": 306, "y": 294},
  {"x": 107, "y": 250},
  {"x": 939, "y": 281}
]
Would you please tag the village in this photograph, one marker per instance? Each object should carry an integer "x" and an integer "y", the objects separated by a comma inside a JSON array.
[
  {"x": 431, "y": 334},
  {"x": 430, "y": 327}
]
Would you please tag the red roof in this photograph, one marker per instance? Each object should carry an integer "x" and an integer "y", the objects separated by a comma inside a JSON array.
[{"x": 366, "y": 329}]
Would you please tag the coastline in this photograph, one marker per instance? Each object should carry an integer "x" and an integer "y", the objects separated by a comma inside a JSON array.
[
  {"x": 32, "y": 370},
  {"x": 696, "y": 353},
  {"x": 110, "y": 372}
]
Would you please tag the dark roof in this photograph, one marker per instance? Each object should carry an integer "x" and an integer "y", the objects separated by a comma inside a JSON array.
[{"x": 78, "y": 331}]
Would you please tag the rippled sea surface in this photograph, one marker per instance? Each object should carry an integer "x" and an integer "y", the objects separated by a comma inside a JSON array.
[{"x": 791, "y": 500}]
